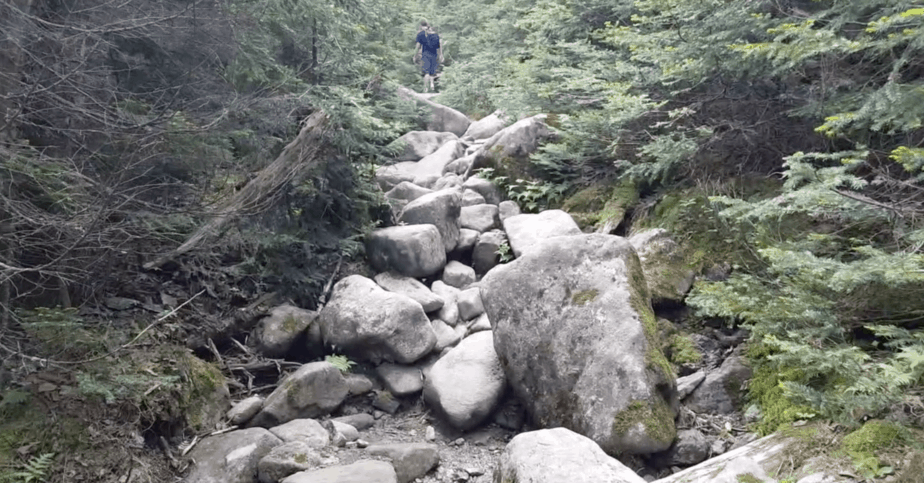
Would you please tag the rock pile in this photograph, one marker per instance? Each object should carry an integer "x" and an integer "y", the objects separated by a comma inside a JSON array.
[{"x": 567, "y": 328}]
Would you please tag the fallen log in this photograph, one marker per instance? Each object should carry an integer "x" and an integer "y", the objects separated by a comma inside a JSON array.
[{"x": 299, "y": 155}]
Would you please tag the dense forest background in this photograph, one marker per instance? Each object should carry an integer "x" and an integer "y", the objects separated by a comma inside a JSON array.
[{"x": 779, "y": 140}]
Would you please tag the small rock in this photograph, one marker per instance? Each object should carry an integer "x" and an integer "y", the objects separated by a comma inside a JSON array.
[
  {"x": 361, "y": 471},
  {"x": 358, "y": 384},
  {"x": 338, "y": 439},
  {"x": 378, "y": 414},
  {"x": 401, "y": 380},
  {"x": 361, "y": 421},
  {"x": 351, "y": 445},
  {"x": 121, "y": 303},
  {"x": 470, "y": 305},
  {"x": 430, "y": 434},
  {"x": 459, "y": 442},
  {"x": 458, "y": 275},
  {"x": 687, "y": 384},
  {"x": 508, "y": 208},
  {"x": 480, "y": 324},
  {"x": 362, "y": 443},
  {"x": 386, "y": 402},
  {"x": 718, "y": 447},
  {"x": 244, "y": 410},
  {"x": 287, "y": 459},
  {"x": 474, "y": 471},
  {"x": 349, "y": 432}
]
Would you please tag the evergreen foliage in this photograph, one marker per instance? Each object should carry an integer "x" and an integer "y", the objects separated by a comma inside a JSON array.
[{"x": 665, "y": 94}]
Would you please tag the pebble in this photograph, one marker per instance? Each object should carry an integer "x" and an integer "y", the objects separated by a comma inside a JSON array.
[
  {"x": 378, "y": 414},
  {"x": 351, "y": 444},
  {"x": 474, "y": 471},
  {"x": 459, "y": 442},
  {"x": 362, "y": 443},
  {"x": 430, "y": 434}
]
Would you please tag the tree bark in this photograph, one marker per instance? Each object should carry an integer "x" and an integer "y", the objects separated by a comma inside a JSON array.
[{"x": 301, "y": 154}]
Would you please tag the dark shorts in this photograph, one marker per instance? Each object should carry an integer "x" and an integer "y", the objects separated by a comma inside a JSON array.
[{"x": 430, "y": 63}]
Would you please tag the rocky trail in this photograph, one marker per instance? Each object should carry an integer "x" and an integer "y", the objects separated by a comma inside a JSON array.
[{"x": 470, "y": 367}]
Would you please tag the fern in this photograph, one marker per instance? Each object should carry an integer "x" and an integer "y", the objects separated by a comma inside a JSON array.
[
  {"x": 341, "y": 362},
  {"x": 34, "y": 471}
]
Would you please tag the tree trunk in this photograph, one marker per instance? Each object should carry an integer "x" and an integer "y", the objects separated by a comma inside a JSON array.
[{"x": 301, "y": 154}]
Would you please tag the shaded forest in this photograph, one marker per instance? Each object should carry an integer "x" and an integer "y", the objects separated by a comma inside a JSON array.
[{"x": 780, "y": 141}]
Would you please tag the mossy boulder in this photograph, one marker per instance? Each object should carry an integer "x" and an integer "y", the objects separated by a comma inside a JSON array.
[
  {"x": 204, "y": 398},
  {"x": 602, "y": 208},
  {"x": 577, "y": 338},
  {"x": 664, "y": 263}
]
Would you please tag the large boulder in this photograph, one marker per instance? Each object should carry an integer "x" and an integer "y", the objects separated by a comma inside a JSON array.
[
  {"x": 315, "y": 389},
  {"x": 440, "y": 209},
  {"x": 669, "y": 277},
  {"x": 230, "y": 457},
  {"x": 276, "y": 333},
  {"x": 418, "y": 144},
  {"x": 410, "y": 287},
  {"x": 365, "y": 322},
  {"x": 526, "y": 230},
  {"x": 517, "y": 141},
  {"x": 558, "y": 455},
  {"x": 467, "y": 383},
  {"x": 440, "y": 118},
  {"x": 574, "y": 330},
  {"x": 487, "y": 126},
  {"x": 362, "y": 471},
  {"x": 411, "y": 250}
]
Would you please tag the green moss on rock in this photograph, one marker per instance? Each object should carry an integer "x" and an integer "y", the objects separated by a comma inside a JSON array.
[
  {"x": 594, "y": 206},
  {"x": 654, "y": 416},
  {"x": 584, "y": 297}
]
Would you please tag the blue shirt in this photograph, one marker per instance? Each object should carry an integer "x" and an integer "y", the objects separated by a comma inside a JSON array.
[{"x": 430, "y": 43}]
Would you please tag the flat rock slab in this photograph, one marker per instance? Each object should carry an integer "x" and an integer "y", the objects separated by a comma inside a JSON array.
[
  {"x": 480, "y": 218},
  {"x": 308, "y": 431},
  {"x": 410, "y": 287},
  {"x": 363, "y": 471},
  {"x": 231, "y": 457},
  {"x": 411, "y": 460},
  {"x": 526, "y": 230},
  {"x": 560, "y": 455},
  {"x": 418, "y": 144}
]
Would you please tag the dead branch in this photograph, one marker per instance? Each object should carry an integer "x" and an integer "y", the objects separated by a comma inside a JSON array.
[{"x": 300, "y": 155}]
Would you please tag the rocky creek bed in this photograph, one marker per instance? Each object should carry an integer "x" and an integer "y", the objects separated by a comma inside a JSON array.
[{"x": 551, "y": 367}]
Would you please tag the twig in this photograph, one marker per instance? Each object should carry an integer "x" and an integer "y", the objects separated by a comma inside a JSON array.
[
  {"x": 223, "y": 431},
  {"x": 330, "y": 282},
  {"x": 166, "y": 448},
  {"x": 214, "y": 350},
  {"x": 190, "y": 446}
]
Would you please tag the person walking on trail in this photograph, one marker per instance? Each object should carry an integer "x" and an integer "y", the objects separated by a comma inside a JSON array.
[{"x": 430, "y": 51}]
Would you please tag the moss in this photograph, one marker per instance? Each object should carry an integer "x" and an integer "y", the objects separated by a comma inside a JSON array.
[
  {"x": 204, "y": 394},
  {"x": 876, "y": 446},
  {"x": 748, "y": 478},
  {"x": 300, "y": 458},
  {"x": 584, "y": 297},
  {"x": 682, "y": 350},
  {"x": 596, "y": 205},
  {"x": 654, "y": 416},
  {"x": 290, "y": 324},
  {"x": 28, "y": 424},
  {"x": 776, "y": 409}
]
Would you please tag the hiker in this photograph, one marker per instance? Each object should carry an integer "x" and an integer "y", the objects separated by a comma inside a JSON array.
[{"x": 428, "y": 49}]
